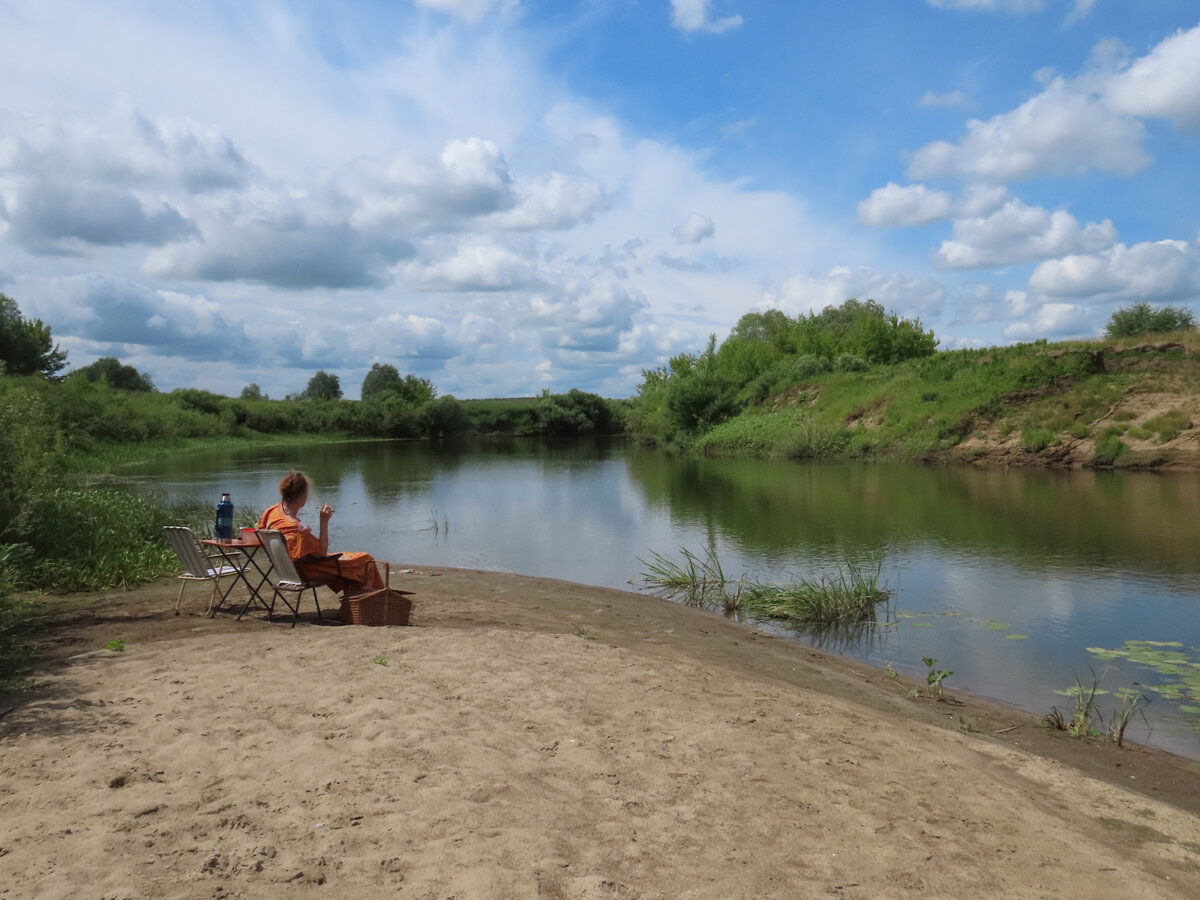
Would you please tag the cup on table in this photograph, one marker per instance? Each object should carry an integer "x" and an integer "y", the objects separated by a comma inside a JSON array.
[{"x": 247, "y": 534}]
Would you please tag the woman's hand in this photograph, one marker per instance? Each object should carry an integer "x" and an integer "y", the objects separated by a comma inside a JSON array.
[{"x": 326, "y": 512}]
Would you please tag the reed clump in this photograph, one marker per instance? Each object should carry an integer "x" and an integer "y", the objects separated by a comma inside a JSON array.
[{"x": 847, "y": 598}]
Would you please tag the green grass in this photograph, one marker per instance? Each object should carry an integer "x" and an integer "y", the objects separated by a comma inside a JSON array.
[
  {"x": 925, "y": 408},
  {"x": 847, "y": 598}
]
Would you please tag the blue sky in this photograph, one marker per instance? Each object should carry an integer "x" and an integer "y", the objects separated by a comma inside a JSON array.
[{"x": 510, "y": 195}]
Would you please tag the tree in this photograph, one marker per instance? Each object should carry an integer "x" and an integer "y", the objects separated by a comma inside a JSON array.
[
  {"x": 119, "y": 377},
  {"x": 1140, "y": 319},
  {"x": 382, "y": 377},
  {"x": 323, "y": 386},
  {"x": 253, "y": 392},
  {"x": 26, "y": 347}
]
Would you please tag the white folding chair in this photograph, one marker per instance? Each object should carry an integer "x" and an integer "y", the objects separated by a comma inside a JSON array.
[
  {"x": 196, "y": 565},
  {"x": 285, "y": 579}
]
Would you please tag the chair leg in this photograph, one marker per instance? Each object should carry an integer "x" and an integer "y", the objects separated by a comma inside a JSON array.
[
  {"x": 320, "y": 618},
  {"x": 179, "y": 600},
  {"x": 212, "y": 598}
]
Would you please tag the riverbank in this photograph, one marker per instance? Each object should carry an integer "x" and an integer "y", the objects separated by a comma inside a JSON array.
[
  {"x": 534, "y": 737},
  {"x": 1129, "y": 404}
]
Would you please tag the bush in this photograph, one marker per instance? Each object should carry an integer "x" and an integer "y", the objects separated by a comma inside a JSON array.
[
  {"x": 1140, "y": 319},
  {"x": 1109, "y": 448},
  {"x": 1034, "y": 440},
  {"x": 848, "y": 362}
]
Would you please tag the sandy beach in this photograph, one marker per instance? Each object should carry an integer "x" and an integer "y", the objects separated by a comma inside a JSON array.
[{"x": 534, "y": 738}]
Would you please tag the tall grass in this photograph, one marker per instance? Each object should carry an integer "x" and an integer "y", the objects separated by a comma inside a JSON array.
[
  {"x": 697, "y": 581},
  {"x": 844, "y": 601},
  {"x": 847, "y": 598}
]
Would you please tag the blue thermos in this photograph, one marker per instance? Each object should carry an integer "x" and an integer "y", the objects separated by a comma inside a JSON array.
[{"x": 225, "y": 519}]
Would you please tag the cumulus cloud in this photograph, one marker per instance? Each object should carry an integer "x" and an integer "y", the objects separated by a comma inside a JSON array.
[
  {"x": 591, "y": 315},
  {"x": 907, "y": 295},
  {"x": 123, "y": 315},
  {"x": 695, "y": 229},
  {"x": 895, "y": 206},
  {"x": 49, "y": 216},
  {"x": 693, "y": 15},
  {"x": 1165, "y": 82},
  {"x": 1019, "y": 233},
  {"x": 1162, "y": 271},
  {"x": 949, "y": 100},
  {"x": 469, "y": 10},
  {"x": 1064, "y": 130},
  {"x": 1052, "y": 320},
  {"x": 473, "y": 268},
  {"x": 555, "y": 202}
]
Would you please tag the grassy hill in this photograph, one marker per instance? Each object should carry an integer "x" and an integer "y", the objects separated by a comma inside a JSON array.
[{"x": 1131, "y": 403}]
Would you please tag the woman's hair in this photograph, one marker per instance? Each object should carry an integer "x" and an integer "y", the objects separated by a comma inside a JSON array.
[{"x": 292, "y": 486}]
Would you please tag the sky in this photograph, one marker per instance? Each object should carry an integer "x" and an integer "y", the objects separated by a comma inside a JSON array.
[{"x": 506, "y": 196}]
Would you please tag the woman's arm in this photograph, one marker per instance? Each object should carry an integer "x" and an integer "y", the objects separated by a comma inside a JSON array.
[{"x": 323, "y": 537}]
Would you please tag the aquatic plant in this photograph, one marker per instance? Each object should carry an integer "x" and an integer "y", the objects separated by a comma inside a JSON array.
[
  {"x": 845, "y": 600},
  {"x": 697, "y": 581},
  {"x": 848, "y": 597}
]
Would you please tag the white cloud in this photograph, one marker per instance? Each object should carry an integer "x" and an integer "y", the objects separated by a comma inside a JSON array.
[
  {"x": 949, "y": 100},
  {"x": 693, "y": 15},
  {"x": 1082, "y": 9},
  {"x": 1064, "y": 130},
  {"x": 1165, "y": 82},
  {"x": 473, "y": 268},
  {"x": 1010, "y": 6},
  {"x": 1018, "y": 233},
  {"x": 905, "y": 295},
  {"x": 469, "y": 10},
  {"x": 896, "y": 206},
  {"x": 694, "y": 230},
  {"x": 555, "y": 202},
  {"x": 1057, "y": 320},
  {"x": 1162, "y": 271}
]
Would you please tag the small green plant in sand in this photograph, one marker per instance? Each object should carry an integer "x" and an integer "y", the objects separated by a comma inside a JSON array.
[
  {"x": 379, "y": 660},
  {"x": 1130, "y": 705},
  {"x": 115, "y": 645},
  {"x": 580, "y": 632},
  {"x": 935, "y": 677},
  {"x": 1079, "y": 723}
]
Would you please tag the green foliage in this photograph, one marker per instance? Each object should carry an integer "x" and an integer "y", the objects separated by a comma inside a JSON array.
[
  {"x": 117, "y": 376},
  {"x": 385, "y": 379},
  {"x": 116, "y": 645},
  {"x": 766, "y": 354},
  {"x": 15, "y": 648},
  {"x": 253, "y": 392},
  {"x": 1109, "y": 448},
  {"x": 444, "y": 417},
  {"x": 575, "y": 412},
  {"x": 322, "y": 386},
  {"x": 1035, "y": 440},
  {"x": 935, "y": 676},
  {"x": 26, "y": 347},
  {"x": 1140, "y": 319},
  {"x": 382, "y": 377}
]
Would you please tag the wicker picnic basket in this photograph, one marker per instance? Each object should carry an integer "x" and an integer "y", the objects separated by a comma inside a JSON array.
[{"x": 382, "y": 606}]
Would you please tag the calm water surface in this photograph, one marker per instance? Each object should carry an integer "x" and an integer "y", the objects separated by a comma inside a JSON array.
[{"x": 1006, "y": 577}]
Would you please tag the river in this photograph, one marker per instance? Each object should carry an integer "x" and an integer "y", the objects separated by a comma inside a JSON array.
[{"x": 1006, "y": 577}]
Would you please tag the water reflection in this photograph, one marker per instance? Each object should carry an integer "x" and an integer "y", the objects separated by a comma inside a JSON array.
[{"x": 1007, "y": 577}]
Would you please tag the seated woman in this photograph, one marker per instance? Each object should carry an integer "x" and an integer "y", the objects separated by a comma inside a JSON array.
[{"x": 353, "y": 572}]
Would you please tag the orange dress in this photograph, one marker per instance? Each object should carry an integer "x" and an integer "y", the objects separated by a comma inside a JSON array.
[{"x": 353, "y": 571}]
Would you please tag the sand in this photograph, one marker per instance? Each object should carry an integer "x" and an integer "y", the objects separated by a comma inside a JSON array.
[{"x": 532, "y": 738}]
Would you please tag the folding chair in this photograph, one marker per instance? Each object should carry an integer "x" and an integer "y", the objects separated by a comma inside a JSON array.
[
  {"x": 285, "y": 579},
  {"x": 196, "y": 565}
]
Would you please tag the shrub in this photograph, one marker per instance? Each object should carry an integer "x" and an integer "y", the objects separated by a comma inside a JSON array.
[
  {"x": 1035, "y": 440},
  {"x": 1109, "y": 448},
  {"x": 1140, "y": 319},
  {"x": 848, "y": 362}
]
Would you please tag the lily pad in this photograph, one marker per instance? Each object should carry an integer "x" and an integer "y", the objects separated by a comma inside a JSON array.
[
  {"x": 922, "y": 624},
  {"x": 998, "y": 626},
  {"x": 1017, "y": 637}
]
